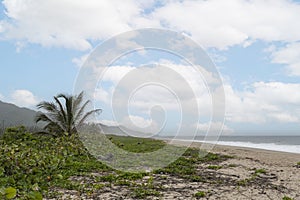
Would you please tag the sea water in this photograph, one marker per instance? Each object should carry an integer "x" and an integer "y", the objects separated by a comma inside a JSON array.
[{"x": 289, "y": 144}]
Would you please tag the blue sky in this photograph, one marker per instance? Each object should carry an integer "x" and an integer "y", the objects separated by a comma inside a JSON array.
[{"x": 254, "y": 44}]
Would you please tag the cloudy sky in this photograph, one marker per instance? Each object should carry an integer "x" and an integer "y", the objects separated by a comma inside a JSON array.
[{"x": 254, "y": 44}]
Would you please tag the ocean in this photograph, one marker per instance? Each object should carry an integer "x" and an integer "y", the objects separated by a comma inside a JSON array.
[{"x": 289, "y": 144}]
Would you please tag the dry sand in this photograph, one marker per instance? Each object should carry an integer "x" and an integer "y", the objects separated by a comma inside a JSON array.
[{"x": 282, "y": 177}]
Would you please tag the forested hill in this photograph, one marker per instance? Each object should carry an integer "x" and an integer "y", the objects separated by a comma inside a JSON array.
[{"x": 12, "y": 115}]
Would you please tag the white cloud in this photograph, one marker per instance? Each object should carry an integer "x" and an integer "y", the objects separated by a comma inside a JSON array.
[
  {"x": 102, "y": 95},
  {"x": 214, "y": 127},
  {"x": 289, "y": 56},
  {"x": 23, "y": 98},
  {"x": 19, "y": 46},
  {"x": 261, "y": 102},
  {"x": 108, "y": 122},
  {"x": 174, "y": 88},
  {"x": 284, "y": 117},
  {"x": 1, "y": 97},
  {"x": 1, "y": 27},
  {"x": 214, "y": 23},
  {"x": 258, "y": 103},
  {"x": 65, "y": 23},
  {"x": 115, "y": 73},
  {"x": 222, "y": 24},
  {"x": 264, "y": 102},
  {"x": 138, "y": 123},
  {"x": 80, "y": 60}
]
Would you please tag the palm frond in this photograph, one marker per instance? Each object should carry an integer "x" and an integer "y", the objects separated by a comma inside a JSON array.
[
  {"x": 49, "y": 120},
  {"x": 88, "y": 114},
  {"x": 81, "y": 111},
  {"x": 77, "y": 101},
  {"x": 48, "y": 106},
  {"x": 62, "y": 111}
]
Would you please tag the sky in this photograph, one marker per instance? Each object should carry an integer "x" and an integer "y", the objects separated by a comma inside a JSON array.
[{"x": 255, "y": 46}]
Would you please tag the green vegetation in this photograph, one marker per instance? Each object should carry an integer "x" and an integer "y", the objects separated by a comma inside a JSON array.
[
  {"x": 186, "y": 166},
  {"x": 260, "y": 171},
  {"x": 8, "y": 193},
  {"x": 33, "y": 165},
  {"x": 215, "y": 167},
  {"x": 286, "y": 198},
  {"x": 255, "y": 178},
  {"x": 141, "y": 192},
  {"x": 65, "y": 114},
  {"x": 243, "y": 182},
  {"x": 137, "y": 145},
  {"x": 298, "y": 164},
  {"x": 200, "y": 194},
  {"x": 145, "y": 189}
]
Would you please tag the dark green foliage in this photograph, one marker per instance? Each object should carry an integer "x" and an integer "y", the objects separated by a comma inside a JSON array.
[{"x": 32, "y": 163}]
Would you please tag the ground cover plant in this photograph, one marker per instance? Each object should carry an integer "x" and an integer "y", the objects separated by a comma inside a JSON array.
[{"x": 38, "y": 166}]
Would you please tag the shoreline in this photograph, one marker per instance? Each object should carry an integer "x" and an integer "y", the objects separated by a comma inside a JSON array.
[
  {"x": 267, "y": 156},
  {"x": 279, "y": 170}
]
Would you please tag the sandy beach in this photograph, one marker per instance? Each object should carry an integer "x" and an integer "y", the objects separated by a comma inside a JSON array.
[
  {"x": 281, "y": 177},
  {"x": 246, "y": 174}
]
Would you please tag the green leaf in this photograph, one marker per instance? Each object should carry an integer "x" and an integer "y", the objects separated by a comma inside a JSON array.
[
  {"x": 35, "y": 196},
  {"x": 10, "y": 192},
  {"x": 2, "y": 171},
  {"x": 60, "y": 176}
]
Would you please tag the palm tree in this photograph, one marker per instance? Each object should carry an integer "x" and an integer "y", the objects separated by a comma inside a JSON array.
[{"x": 65, "y": 118}]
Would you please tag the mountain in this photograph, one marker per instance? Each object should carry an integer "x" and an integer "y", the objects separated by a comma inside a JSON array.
[
  {"x": 12, "y": 115},
  {"x": 122, "y": 131}
]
